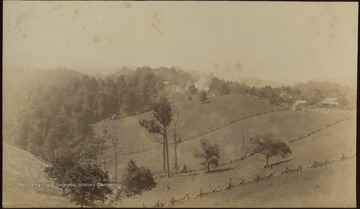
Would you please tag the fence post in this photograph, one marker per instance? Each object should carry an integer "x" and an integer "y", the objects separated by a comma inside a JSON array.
[
  {"x": 327, "y": 161},
  {"x": 342, "y": 157},
  {"x": 242, "y": 182},
  {"x": 315, "y": 164},
  {"x": 186, "y": 197},
  {"x": 172, "y": 201},
  {"x": 257, "y": 178}
]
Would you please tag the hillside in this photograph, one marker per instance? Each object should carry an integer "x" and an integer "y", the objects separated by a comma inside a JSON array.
[
  {"x": 330, "y": 143},
  {"x": 20, "y": 166},
  {"x": 195, "y": 118},
  {"x": 331, "y": 186}
]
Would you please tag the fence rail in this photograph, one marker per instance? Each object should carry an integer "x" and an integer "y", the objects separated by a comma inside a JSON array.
[
  {"x": 324, "y": 110},
  {"x": 193, "y": 171},
  {"x": 319, "y": 129},
  {"x": 249, "y": 181},
  {"x": 210, "y": 130}
]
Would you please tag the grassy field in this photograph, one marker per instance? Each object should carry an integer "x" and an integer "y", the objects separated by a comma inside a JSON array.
[
  {"x": 329, "y": 186},
  {"x": 196, "y": 118},
  {"x": 331, "y": 143},
  {"x": 20, "y": 166}
]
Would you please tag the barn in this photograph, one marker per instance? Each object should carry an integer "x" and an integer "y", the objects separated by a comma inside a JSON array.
[
  {"x": 329, "y": 102},
  {"x": 299, "y": 104}
]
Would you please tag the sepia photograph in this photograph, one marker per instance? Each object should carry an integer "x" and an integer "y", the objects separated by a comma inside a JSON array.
[{"x": 179, "y": 104}]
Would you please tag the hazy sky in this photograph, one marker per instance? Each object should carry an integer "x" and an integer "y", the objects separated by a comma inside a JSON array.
[{"x": 284, "y": 41}]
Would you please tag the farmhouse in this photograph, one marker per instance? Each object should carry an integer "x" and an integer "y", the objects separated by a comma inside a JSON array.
[
  {"x": 299, "y": 104},
  {"x": 329, "y": 102}
]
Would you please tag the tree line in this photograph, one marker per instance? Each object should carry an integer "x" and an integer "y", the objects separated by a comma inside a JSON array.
[
  {"x": 312, "y": 91},
  {"x": 53, "y": 116}
]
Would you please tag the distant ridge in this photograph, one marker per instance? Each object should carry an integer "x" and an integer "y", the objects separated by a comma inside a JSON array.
[
  {"x": 118, "y": 71},
  {"x": 256, "y": 82}
]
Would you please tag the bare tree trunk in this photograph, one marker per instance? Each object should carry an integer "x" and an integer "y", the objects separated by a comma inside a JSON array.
[
  {"x": 267, "y": 160},
  {"x": 164, "y": 154},
  {"x": 114, "y": 142},
  {"x": 175, "y": 157},
  {"x": 176, "y": 118},
  {"x": 105, "y": 131},
  {"x": 101, "y": 156},
  {"x": 115, "y": 162},
  {"x": 243, "y": 138},
  {"x": 167, "y": 156}
]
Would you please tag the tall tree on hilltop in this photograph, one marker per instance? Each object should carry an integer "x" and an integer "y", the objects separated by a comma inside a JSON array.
[{"x": 162, "y": 112}]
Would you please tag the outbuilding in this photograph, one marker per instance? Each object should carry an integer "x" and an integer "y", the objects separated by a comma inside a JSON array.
[{"x": 329, "y": 102}]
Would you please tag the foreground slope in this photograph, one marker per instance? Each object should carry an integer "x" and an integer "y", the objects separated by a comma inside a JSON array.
[
  {"x": 328, "y": 186},
  {"x": 20, "y": 166}
]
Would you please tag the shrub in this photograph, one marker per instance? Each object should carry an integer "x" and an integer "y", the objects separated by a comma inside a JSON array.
[
  {"x": 203, "y": 96},
  {"x": 136, "y": 180},
  {"x": 209, "y": 153}
]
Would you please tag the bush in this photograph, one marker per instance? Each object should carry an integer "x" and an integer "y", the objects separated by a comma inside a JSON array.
[
  {"x": 67, "y": 171},
  {"x": 209, "y": 153},
  {"x": 83, "y": 176},
  {"x": 203, "y": 96},
  {"x": 58, "y": 171},
  {"x": 192, "y": 89},
  {"x": 136, "y": 180}
]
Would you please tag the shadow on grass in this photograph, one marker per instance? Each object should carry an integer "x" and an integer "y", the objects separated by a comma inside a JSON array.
[
  {"x": 205, "y": 171},
  {"x": 278, "y": 163},
  {"x": 220, "y": 170},
  {"x": 205, "y": 102}
]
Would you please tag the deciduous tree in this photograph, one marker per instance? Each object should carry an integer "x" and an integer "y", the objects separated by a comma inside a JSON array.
[
  {"x": 209, "y": 153},
  {"x": 91, "y": 184},
  {"x": 203, "y": 96},
  {"x": 162, "y": 112},
  {"x": 135, "y": 180},
  {"x": 268, "y": 146}
]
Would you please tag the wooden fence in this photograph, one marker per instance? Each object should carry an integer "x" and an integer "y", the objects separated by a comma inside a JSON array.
[
  {"x": 248, "y": 181},
  {"x": 210, "y": 130},
  {"x": 318, "y": 130}
]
